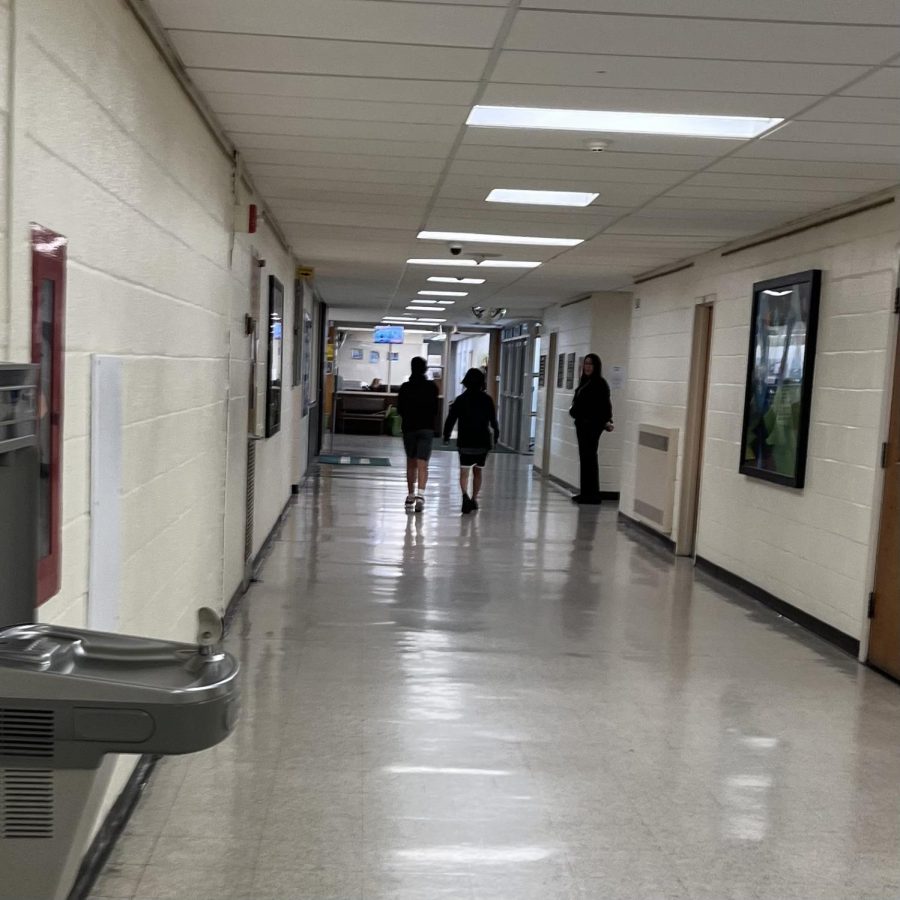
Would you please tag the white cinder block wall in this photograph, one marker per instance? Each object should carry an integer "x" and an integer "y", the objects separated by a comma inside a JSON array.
[
  {"x": 814, "y": 547},
  {"x": 107, "y": 150},
  {"x": 598, "y": 324}
]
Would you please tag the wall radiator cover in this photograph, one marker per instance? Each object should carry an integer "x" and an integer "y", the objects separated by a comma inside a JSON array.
[{"x": 654, "y": 482}]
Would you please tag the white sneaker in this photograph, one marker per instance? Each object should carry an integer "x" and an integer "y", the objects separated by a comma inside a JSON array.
[
  {"x": 410, "y": 503},
  {"x": 420, "y": 503}
]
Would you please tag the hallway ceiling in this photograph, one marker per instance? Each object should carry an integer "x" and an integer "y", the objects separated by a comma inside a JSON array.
[{"x": 350, "y": 115}]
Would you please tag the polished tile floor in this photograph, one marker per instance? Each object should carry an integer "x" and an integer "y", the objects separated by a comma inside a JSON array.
[{"x": 530, "y": 703}]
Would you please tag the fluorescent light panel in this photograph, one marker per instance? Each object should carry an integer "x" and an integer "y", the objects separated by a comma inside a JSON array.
[
  {"x": 443, "y": 293},
  {"x": 599, "y": 120},
  {"x": 484, "y": 264},
  {"x": 541, "y": 198},
  {"x": 427, "y": 309},
  {"x": 498, "y": 238},
  {"x": 449, "y": 279}
]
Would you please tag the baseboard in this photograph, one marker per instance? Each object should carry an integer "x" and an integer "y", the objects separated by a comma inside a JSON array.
[
  {"x": 822, "y": 629},
  {"x": 559, "y": 482},
  {"x": 113, "y": 825},
  {"x": 663, "y": 539},
  {"x": 234, "y": 604}
]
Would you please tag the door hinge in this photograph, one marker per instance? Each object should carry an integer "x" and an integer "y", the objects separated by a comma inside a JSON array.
[
  {"x": 872, "y": 605},
  {"x": 884, "y": 455}
]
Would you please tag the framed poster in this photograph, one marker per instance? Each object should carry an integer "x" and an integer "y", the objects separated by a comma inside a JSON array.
[
  {"x": 561, "y": 370},
  {"x": 780, "y": 364},
  {"x": 395, "y": 356},
  {"x": 542, "y": 371},
  {"x": 356, "y": 353},
  {"x": 374, "y": 356},
  {"x": 276, "y": 347},
  {"x": 570, "y": 371}
]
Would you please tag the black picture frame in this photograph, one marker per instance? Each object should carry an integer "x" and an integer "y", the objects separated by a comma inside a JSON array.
[
  {"x": 780, "y": 365},
  {"x": 275, "y": 369},
  {"x": 570, "y": 371},
  {"x": 561, "y": 370}
]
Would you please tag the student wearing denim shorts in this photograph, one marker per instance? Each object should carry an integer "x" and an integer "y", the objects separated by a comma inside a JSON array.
[
  {"x": 417, "y": 404},
  {"x": 478, "y": 431}
]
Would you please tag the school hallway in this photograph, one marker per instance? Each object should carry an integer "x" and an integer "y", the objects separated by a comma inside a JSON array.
[{"x": 531, "y": 702}]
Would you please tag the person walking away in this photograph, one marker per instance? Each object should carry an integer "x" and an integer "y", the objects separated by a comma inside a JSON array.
[
  {"x": 417, "y": 403},
  {"x": 478, "y": 431},
  {"x": 592, "y": 411}
]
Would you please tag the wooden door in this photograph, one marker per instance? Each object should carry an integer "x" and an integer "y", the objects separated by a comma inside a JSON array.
[
  {"x": 698, "y": 390},
  {"x": 884, "y": 607}
]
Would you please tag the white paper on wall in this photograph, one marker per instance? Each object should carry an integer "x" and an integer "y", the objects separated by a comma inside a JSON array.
[
  {"x": 617, "y": 377},
  {"x": 105, "y": 579}
]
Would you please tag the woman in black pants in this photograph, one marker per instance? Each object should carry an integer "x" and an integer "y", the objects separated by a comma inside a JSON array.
[{"x": 592, "y": 411}]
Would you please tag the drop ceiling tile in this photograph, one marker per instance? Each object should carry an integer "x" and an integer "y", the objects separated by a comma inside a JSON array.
[
  {"x": 863, "y": 12},
  {"x": 388, "y": 90},
  {"x": 349, "y": 129},
  {"x": 655, "y": 99},
  {"x": 293, "y": 189},
  {"x": 314, "y": 147},
  {"x": 740, "y": 163},
  {"x": 695, "y": 38},
  {"x": 812, "y": 152},
  {"x": 330, "y": 108},
  {"x": 855, "y": 109},
  {"x": 838, "y": 133},
  {"x": 347, "y": 20},
  {"x": 809, "y": 182},
  {"x": 883, "y": 83},
  {"x": 348, "y": 162},
  {"x": 522, "y": 174},
  {"x": 823, "y": 199},
  {"x": 579, "y": 140},
  {"x": 359, "y": 218},
  {"x": 311, "y": 175},
  {"x": 302, "y": 55},
  {"x": 610, "y": 161},
  {"x": 785, "y": 207},
  {"x": 517, "y": 66}
]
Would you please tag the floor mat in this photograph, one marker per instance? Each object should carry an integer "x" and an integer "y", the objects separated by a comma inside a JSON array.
[{"x": 354, "y": 460}]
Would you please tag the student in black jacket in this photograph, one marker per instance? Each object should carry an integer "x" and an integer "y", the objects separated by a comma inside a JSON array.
[
  {"x": 592, "y": 411},
  {"x": 417, "y": 403},
  {"x": 478, "y": 432}
]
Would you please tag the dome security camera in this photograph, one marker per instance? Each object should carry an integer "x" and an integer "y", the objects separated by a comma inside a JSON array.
[{"x": 455, "y": 248}]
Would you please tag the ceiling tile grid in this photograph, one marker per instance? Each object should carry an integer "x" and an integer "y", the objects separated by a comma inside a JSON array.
[{"x": 350, "y": 117}]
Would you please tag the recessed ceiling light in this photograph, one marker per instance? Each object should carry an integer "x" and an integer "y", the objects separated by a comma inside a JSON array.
[
  {"x": 446, "y": 302},
  {"x": 484, "y": 264},
  {"x": 399, "y": 319},
  {"x": 449, "y": 279},
  {"x": 443, "y": 293},
  {"x": 427, "y": 309},
  {"x": 734, "y": 127},
  {"x": 431, "y": 321},
  {"x": 541, "y": 198},
  {"x": 498, "y": 238}
]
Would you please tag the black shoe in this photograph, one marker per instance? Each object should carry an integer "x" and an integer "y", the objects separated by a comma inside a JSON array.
[
  {"x": 473, "y": 506},
  {"x": 467, "y": 504},
  {"x": 576, "y": 498},
  {"x": 588, "y": 501}
]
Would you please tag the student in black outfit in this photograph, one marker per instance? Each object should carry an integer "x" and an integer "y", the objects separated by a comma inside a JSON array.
[
  {"x": 417, "y": 403},
  {"x": 592, "y": 411},
  {"x": 477, "y": 418}
]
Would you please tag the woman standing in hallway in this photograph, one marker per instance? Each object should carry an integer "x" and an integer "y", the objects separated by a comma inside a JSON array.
[
  {"x": 592, "y": 411},
  {"x": 474, "y": 411}
]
